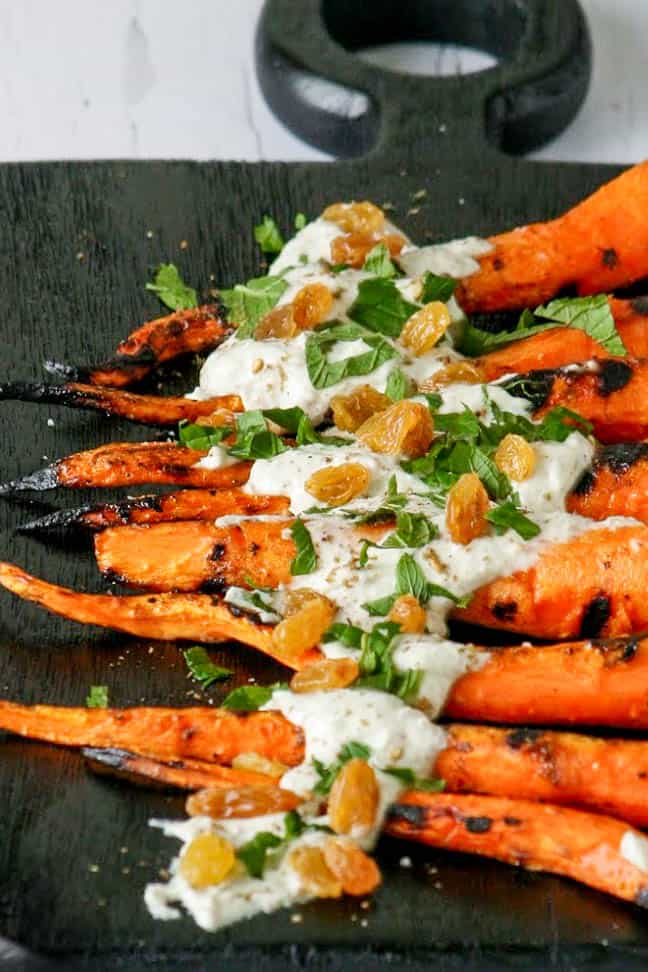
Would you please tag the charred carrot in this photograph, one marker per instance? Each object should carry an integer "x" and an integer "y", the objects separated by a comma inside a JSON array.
[
  {"x": 201, "y": 733},
  {"x": 184, "y": 331},
  {"x": 146, "y": 409},
  {"x": 193, "y": 617},
  {"x": 583, "y": 846},
  {"x": 129, "y": 464},
  {"x": 616, "y": 484},
  {"x": 605, "y": 775},
  {"x": 187, "y": 504},
  {"x": 597, "y": 246}
]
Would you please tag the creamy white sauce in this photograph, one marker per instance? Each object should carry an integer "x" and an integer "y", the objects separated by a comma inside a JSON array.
[
  {"x": 240, "y": 597},
  {"x": 634, "y": 848},
  {"x": 442, "y": 664},
  {"x": 453, "y": 259},
  {"x": 217, "y": 458},
  {"x": 559, "y": 466},
  {"x": 460, "y": 395}
]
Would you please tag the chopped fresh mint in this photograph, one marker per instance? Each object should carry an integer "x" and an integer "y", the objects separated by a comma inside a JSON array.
[
  {"x": 324, "y": 373},
  {"x": 378, "y": 262},
  {"x": 399, "y": 385},
  {"x": 413, "y": 782},
  {"x": 507, "y": 516},
  {"x": 171, "y": 289},
  {"x": 254, "y": 440},
  {"x": 202, "y": 668},
  {"x": 201, "y": 437},
  {"x": 97, "y": 697},
  {"x": 268, "y": 236},
  {"x": 305, "y": 560},
  {"x": 249, "y": 698},
  {"x": 327, "y": 774},
  {"x": 437, "y": 288},
  {"x": 300, "y": 221},
  {"x": 381, "y": 307},
  {"x": 247, "y": 303}
]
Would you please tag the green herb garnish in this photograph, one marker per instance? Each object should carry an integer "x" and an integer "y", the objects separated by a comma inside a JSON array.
[
  {"x": 305, "y": 561},
  {"x": 437, "y": 288},
  {"x": 324, "y": 373},
  {"x": 507, "y": 516},
  {"x": 268, "y": 236},
  {"x": 171, "y": 289},
  {"x": 249, "y": 698},
  {"x": 381, "y": 307},
  {"x": 413, "y": 782},
  {"x": 202, "y": 668},
  {"x": 254, "y": 440},
  {"x": 300, "y": 221},
  {"x": 201, "y": 437},
  {"x": 97, "y": 697},
  {"x": 399, "y": 385},
  {"x": 247, "y": 303},
  {"x": 327, "y": 774},
  {"x": 378, "y": 262}
]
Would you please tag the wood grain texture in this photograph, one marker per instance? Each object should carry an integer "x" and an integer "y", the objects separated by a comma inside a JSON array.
[{"x": 58, "y": 821}]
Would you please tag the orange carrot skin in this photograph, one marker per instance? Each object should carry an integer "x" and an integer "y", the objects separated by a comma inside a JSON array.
[
  {"x": 202, "y": 733},
  {"x": 616, "y": 484},
  {"x": 599, "y": 245},
  {"x": 592, "y": 585},
  {"x": 581, "y": 683},
  {"x": 184, "y": 331},
  {"x": 604, "y": 775},
  {"x": 131, "y": 463},
  {"x": 148, "y": 409},
  {"x": 184, "y": 774},
  {"x": 537, "y": 836}
]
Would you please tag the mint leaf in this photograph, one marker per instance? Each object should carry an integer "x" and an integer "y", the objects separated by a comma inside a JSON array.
[
  {"x": 268, "y": 236},
  {"x": 253, "y": 853},
  {"x": 399, "y": 385},
  {"x": 254, "y": 440},
  {"x": 305, "y": 561},
  {"x": 381, "y": 307},
  {"x": 507, "y": 516},
  {"x": 347, "y": 634},
  {"x": 377, "y": 669},
  {"x": 412, "y": 530},
  {"x": 249, "y": 698},
  {"x": 327, "y": 774},
  {"x": 379, "y": 262},
  {"x": 437, "y": 288},
  {"x": 202, "y": 668},
  {"x": 410, "y": 579},
  {"x": 296, "y": 422},
  {"x": 171, "y": 289},
  {"x": 413, "y": 782},
  {"x": 201, "y": 437},
  {"x": 324, "y": 373},
  {"x": 300, "y": 221},
  {"x": 97, "y": 697},
  {"x": 247, "y": 303}
]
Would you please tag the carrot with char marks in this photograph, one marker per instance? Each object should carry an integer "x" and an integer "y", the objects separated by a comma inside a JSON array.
[
  {"x": 586, "y": 847},
  {"x": 599, "y": 245}
]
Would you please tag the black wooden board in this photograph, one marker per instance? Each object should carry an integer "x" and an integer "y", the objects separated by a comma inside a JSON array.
[{"x": 75, "y": 850}]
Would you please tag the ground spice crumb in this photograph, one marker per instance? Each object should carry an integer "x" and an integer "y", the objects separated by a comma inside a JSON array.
[
  {"x": 364, "y": 923},
  {"x": 296, "y": 918},
  {"x": 438, "y": 885},
  {"x": 388, "y": 207},
  {"x": 184, "y": 244},
  {"x": 164, "y": 874},
  {"x": 414, "y": 211},
  {"x": 102, "y": 902},
  {"x": 406, "y": 862},
  {"x": 257, "y": 365},
  {"x": 93, "y": 867},
  {"x": 443, "y": 128},
  {"x": 149, "y": 234},
  {"x": 461, "y": 201},
  {"x": 421, "y": 194},
  {"x": 51, "y": 423},
  {"x": 125, "y": 870},
  {"x": 365, "y": 905},
  {"x": 80, "y": 256}
]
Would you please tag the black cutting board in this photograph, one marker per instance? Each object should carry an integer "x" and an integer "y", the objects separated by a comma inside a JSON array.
[{"x": 77, "y": 243}]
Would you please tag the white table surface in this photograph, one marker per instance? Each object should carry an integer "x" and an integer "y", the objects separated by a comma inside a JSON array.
[{"x": 160, "y": 79}]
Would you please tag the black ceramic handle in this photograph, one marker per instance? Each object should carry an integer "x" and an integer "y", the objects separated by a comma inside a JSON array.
[{"x": 316, "y": 85}]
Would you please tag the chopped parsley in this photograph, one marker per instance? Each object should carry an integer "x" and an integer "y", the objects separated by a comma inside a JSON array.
[
  {"x": 589, "y": 314},
  {"x": 327, "y": 774},
  {"x": 324, "y": 373},
  {"x": 247, "y": 303},
  {"x": 305, "y": 560},
  {"x": 171, "y": 289},
  {"x": 97, "y": 697},
  {"x": 268, "y": 236},
  {"x": 202, "y": 668}
]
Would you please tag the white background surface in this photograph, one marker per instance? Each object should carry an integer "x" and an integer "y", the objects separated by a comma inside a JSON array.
[{"x": 162, "y": 78}]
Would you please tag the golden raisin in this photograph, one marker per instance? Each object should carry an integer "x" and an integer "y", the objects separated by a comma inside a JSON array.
[
  {"x": 337, "y": 485},
  {"x": 278, "y": 323},
  {"x": 466, "y": 509},
  {"x": 515, "y": 457},
  {"x": 356, "y": 217},
  {"x": 255, "y": 763},
  {"x": 353, "y": 248},
  {"x": 324, "y": 675},
  {"x": 311, "y": 305},
  {"x": 207, "y": 860},
  {"x": 426, "y": 327},
  {"x": 303, "y": 630},
  {"x": 298, "y": 597},
  {"x": 356, "y": 871},
  {"x": 405, "y": 427},
  {"x": 458, "y": 371},
  {"x": 217, "y": 419},
  {"x": 407, "y": 612},
  {"x": 242, "y": 801},
  {"x": 315, "y": 877},
  {"x": 350, "y": 411},
  {"x": 353, "y": 801}
]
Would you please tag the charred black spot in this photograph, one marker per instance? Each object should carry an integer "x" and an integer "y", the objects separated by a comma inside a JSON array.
[
  {"x": 128, "y": 362},
  {"x": 254, "y": 549},
  {"x": 152, "y": 600},
  {"x": 178, "y": 472},
  {"x": 523, "y": 737},
  {"x": 189, "y": 732},
  {"x": 595, "y": 616},
  {"x": 512, "y": 821},
  {"x": 112, "y": 577},
  {"x": 218, "y": 552},
  {"x": 411, "y": 813},
  {"x": 498, "y": 263},
  {"x": 640, "y": 305},
  {"x": 621, "y": 456},
  {"x": 175, "y": 328},
  {"x": 478, "y": 825},
  {"x": 535, "y": 386},
  {"x": 613, "y": 376},
  {"x": 215, "y": 586},
  {"x": 585, "y": 484},
  {"x": 504, "y": 610},
  {"x": 641, "y": 898},
  {"x": 609, "y": 257},
  {"x": 629, "y": 651}
]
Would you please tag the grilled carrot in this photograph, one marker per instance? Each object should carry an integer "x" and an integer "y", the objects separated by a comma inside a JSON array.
[
  {"x": 194, "y": 617},
  {"x": 600, "y": 244},
  {"x": 616, "y": 484},
  {"x": 537, "y": 836},
  {"x": 187, "y": 504},
  {"x": 186, "y": 774},
  {"x": 128, "y": 464},
  {"x": 184, "y": 331},
  {"x": 203, "y": 733},
  {"x": 146, "y": 409},
  {"x": 605, "y": 775}
]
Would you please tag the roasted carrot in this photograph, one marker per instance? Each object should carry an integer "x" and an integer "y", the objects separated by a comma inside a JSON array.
[
  {"x": 187, "y": 504},
  {"x": 186, "y": 774},
  {"x": 184, "y": 331},
  {"x": 128, "y": 464},
  {"x": 203, "y": 733},
  {"x": 537, "y": 836},
  {"x": 605, "y": 775},
  {"x": 194, "y": 617},
  {"x": 147, "y": 409},
  {"x": 600, "y": 244},
  {"x": 616, "y": 484}
]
